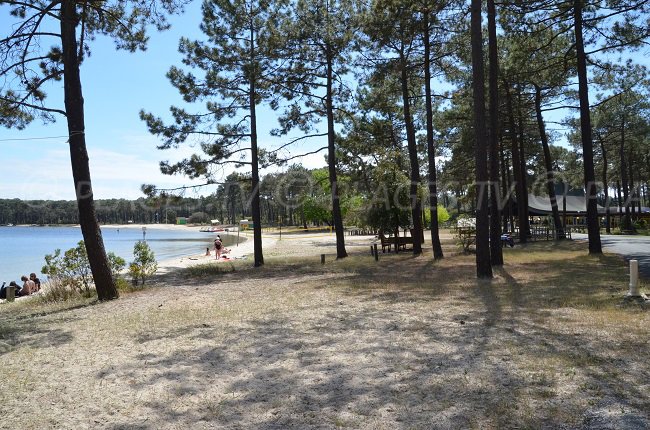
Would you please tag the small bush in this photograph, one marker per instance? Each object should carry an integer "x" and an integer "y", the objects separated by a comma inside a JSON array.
[
  {"x": 144, "y": 264},
  {"x": 123, "y": 285},
  {"x": 465, "y": 238},
  {"x": 70, "y": 272},
  {"x": 55, "y": 290},
  {"x": 117, "y": 265},
  {"x": 626, "y": 223},
  {"x": 72, "y": 269}
]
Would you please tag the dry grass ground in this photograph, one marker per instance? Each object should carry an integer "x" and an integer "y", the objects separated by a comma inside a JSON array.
[{"x": 399, "y": 343}]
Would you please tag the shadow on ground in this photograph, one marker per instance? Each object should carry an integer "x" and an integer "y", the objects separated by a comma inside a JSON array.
[{"x": 395, "y": 350}]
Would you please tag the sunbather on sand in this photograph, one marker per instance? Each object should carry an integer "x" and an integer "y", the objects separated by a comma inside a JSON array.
[{"x": 29, "y": 287}]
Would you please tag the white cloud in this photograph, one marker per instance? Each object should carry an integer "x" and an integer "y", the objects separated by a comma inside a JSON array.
[
  {"x": 119, "y": 165},
  {"x": 115, "y": 174}
]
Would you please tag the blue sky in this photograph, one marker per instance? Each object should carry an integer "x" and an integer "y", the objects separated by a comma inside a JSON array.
[{"x": 123, "y": 154}]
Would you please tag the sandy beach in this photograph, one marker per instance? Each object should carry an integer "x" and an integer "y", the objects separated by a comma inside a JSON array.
[
  {"x": 274, "y": 244},
  {"x": 242, "y": 250}
]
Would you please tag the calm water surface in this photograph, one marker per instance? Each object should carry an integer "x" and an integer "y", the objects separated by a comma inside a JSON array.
[{"x": 22, "y": 249}]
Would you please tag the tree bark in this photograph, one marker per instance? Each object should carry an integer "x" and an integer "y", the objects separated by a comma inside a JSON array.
[
  {"x": 632, "y": 189},
  {"x": 608, "y": 227},
  {"x": 522, "y": 160},
  {"x": 565, "y": 191},
  {"x": 431, "y": 149},
  {"x": 516, "y": 169},
  {"x": 548, "y": 163},
  {"x": 331, "y": 161},
  {"x": 496, "y": 251},
  {"x": 255, "y": 176},
  {"x": 506, "y": 183},
  {"x": 624, "y": 179},
  {"x": 593, "y": 226},
  {"x": 416, "y": 204},
  {"x": 483, "y": 264},
  {"x": 74, "y": 106}
]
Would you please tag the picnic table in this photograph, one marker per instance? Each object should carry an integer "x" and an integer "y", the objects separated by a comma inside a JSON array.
[{"x": 400, "y": 242}]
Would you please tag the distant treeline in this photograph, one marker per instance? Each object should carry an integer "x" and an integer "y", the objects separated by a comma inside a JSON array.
[{"x": 111, "y": 211}]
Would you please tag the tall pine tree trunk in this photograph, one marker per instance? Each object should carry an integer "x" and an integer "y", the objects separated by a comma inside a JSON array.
[
  {"x": 522, "y": 160},
  {"x": 483, "y": 265},
  {"x": 505, "y": 187},
  {"x": 496, "y": 252},
  {"x": 516, "y": 169},
  {"x": 632, "y": 188},
  {"x": 416, "y": 204},
  {"x": 331, "y": 161},
  {"x": 593, "y": 225},
  {"x": 624, "y": 180},
  {"x": 74, "y": 107},
  {"x": 608, "y": 227},
  {"x": 255, "y": 180},
  {"x": 619, "y": 198},
  {"x": 548, "y": 164},
  {"x": 431, "y": 149}
]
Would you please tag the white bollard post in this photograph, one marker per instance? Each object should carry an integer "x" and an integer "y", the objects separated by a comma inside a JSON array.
[{"x": 634, "y": 279}]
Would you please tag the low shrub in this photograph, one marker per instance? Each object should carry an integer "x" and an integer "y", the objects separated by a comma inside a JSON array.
[
  {"x": 117, "y": 265},
  {"x": 54, "y": 290},
  {"x": 70, "y": 272},
  {"x": 144, "y": 264},
  {"x": 465, "y": 238},
  {"x": 123, "y": 285}
]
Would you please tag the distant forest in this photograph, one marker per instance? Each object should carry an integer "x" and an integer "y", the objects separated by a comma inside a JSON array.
[
  {"x": 296, "y": 197},
  {"x": 111, "y": 211}
]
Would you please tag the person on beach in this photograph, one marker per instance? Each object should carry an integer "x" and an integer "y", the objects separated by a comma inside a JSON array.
[
  {"x": 37, "y": 282},
  {"x": 207, "y": 251},
  {"x": 3, "y": 289},
  {"x": 28, "y": 288},
  {"x": 217, "y": 247}
]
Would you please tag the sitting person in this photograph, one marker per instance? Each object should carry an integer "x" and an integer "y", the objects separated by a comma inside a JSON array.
[
  {"x": 3, "y": 289},
  {"x": 28, "y": 288},
  {"x": 37, "y": 282},
  {"x": 207, "y": 251}
]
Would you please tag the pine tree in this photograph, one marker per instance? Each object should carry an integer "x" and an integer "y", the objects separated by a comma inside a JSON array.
[
  {"x": 317, "y": 41},
  {"x": 68, "y": 26},
  {"x": 483, "y": 263},
  {"x": 237, "y": 63}
]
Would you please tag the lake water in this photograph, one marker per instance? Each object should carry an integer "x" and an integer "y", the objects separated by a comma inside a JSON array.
[{"x": 22, "y": 249}]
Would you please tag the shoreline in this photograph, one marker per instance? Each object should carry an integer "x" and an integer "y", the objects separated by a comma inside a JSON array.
[
  {"x": 243, "y": 251},
  {"x": 122, "y": 226},
  {"x": 178, "y": 227},
  {"x": 32, "y": 243}
]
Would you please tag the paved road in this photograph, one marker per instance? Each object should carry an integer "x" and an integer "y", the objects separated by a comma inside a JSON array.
[{"x": 630, "y": 247}]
